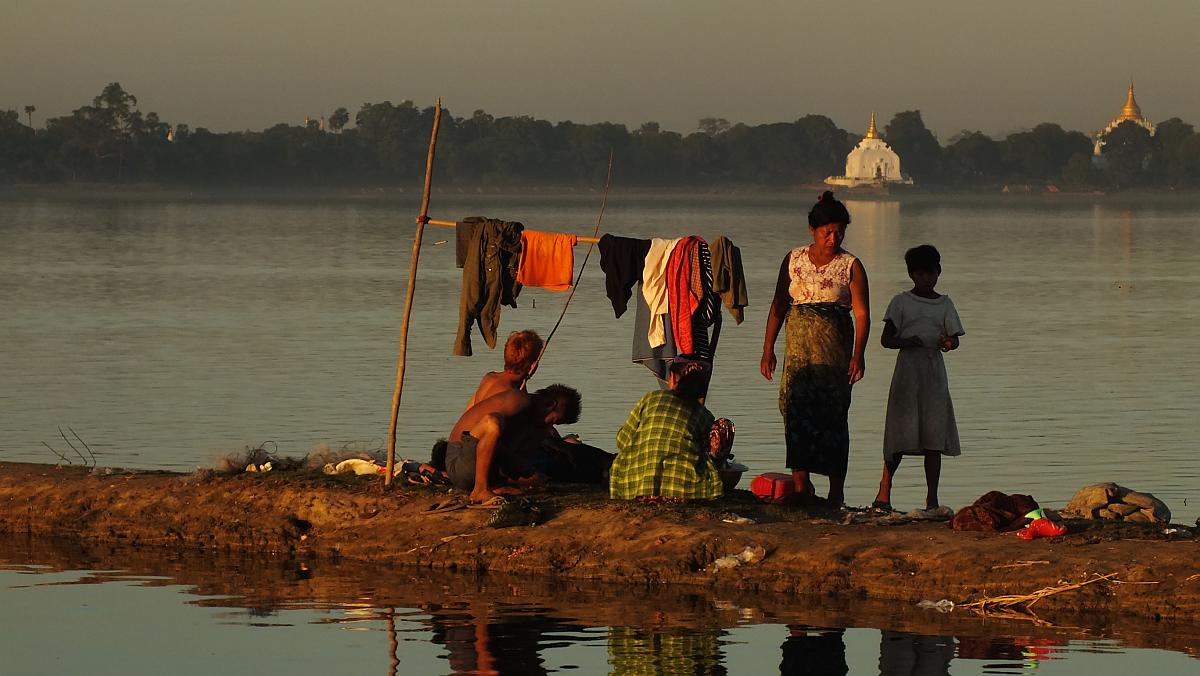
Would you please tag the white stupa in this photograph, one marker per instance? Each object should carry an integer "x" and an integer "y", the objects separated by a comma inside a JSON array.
[{"x": 872, "y": 162}]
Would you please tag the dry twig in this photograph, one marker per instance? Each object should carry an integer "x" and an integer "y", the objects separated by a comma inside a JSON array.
[
  {"x": 441, "y": 542},
  {"x": 80, "y": 440},
  {"x": 1028, "y": 600},
  {"x": 81, "y": 456},
  {"x": 1018, "y": 564},
  {"x": 62, "y": 458}
]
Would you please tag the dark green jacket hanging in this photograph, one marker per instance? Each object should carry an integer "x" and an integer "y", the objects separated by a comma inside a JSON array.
[{"x": 489, "y": 280}]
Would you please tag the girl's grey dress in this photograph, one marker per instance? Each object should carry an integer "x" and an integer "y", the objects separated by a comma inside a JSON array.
[{"x": 920, "y": 415}]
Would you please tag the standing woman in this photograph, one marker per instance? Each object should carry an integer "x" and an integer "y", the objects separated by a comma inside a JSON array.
[{"x": 819, "y": 286}]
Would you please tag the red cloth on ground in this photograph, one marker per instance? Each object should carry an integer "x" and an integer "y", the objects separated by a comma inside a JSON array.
[
  {"x": 995, "y": 511},
  {"x": 682, "y": 283},
  {"x": 547, "y": 260}
]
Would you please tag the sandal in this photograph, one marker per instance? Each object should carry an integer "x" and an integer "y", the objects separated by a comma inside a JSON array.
[
  {"x": 435, "y": 477},
  {"x": 450, "y": 505},
  {"x": 494, "y": 502}
]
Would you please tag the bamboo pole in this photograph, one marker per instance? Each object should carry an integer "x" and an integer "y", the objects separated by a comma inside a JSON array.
[
  {"x": 408, "y": 296},
  {"x": 454, "y": 224}
]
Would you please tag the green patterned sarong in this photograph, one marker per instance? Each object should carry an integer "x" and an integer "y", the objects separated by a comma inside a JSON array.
[{"x": 814, "y": 390}]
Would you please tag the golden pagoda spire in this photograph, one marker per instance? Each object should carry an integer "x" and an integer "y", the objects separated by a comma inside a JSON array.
[
  {"x": 1130, "y": 111},
  {"x": 871, "y": 132}
]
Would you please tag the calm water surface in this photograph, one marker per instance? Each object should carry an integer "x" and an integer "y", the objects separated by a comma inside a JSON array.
[
  {"x": 167, "y": 333},
  {"x": 67, "y": 610}
]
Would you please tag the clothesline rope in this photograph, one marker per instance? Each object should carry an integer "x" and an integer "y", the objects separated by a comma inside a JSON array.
[{"x": 454, "y": 224}]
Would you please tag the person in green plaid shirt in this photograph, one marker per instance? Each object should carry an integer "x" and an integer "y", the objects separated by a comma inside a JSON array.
[{"x": 663, "y": 447}]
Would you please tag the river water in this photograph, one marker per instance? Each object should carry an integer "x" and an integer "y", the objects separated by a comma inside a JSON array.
[
  {"x": 169, "y": 332},
  {"x": 73, "y": 609}
]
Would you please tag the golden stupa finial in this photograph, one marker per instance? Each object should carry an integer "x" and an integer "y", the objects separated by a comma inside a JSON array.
[
  {"x": 871, "y": 131},
  {"x": 1130, "y": 111}
]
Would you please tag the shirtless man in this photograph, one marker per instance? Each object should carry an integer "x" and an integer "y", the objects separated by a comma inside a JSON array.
[
  {"x": 521, "y": 353},
  {"x": 489, "y": 436}
]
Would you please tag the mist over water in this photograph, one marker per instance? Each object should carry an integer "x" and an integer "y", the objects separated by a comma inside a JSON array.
[{"x": 167, "y": 332}]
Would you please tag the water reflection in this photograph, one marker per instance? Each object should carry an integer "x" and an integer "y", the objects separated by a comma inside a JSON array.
[
  {"x": 480, "y": 638},
  {"x": 633, "y": 651},
  {"x": 905, "y": 654},
  {"x": 820, "y": 651},
  {"x": 370, "y": 619}
]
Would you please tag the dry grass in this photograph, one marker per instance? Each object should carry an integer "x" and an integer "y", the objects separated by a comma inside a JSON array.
[{"x": 1028, "y": 600}]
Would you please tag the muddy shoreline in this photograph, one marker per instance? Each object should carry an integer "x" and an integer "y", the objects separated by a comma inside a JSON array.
[{"x": 586, "y": 537}]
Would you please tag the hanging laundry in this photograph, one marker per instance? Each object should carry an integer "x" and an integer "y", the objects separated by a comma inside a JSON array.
[
  {"x": 684, "y": 289},
  {"x": 547, "y": 260},
  {"x": 691, "y": 299},
  {"x": 462, "y": 238},
  {"x": 657, "y": 358},
  {"x": 654, "y": 286},
  {"x": 622, "y": 259},
  {"x": 707, "y": 313},
  {"x": 729, "y": 281},
  {"x": 489, "y": 281}
]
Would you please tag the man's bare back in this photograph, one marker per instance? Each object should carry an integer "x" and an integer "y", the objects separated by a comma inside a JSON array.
[
  {"x": 503, "y": 406},
  {"x": 510, "y": 424},
  {"x": 494, "y": 383}
]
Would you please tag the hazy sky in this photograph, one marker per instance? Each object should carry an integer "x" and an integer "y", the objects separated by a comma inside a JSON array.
[{"x": 241, "y": 64}]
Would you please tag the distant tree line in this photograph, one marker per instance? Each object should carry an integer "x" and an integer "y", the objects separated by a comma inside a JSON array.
[{"x": 111, "y": 140}]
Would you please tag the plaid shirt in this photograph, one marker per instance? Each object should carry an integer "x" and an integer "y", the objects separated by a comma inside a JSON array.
[{"x": 663, "y": 450}]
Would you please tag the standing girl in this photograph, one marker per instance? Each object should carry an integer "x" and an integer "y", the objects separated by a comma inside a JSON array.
[
  {"x": 921, "y": 324},
  {"x": 822, "y": 296}
]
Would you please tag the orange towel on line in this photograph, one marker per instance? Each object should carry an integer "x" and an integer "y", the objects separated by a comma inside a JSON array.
[{"x": 547, "y": 260}]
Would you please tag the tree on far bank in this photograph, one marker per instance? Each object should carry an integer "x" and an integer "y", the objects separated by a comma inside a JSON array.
[
  {"x": 713, "y": 125},
  {"x": 1079, "y": 171},
  {"x": 917, "y": 147},
  {"x": 1127, "y": 151},
  {"x": 1168, "y": 163},
  {"x": 29, "y": 111},
  {"x": 972, "y": 158},
  {"x": 1042, "y": 153},
  {"x": 338, "y": 120},
  {"x": 16, "y": 145}
]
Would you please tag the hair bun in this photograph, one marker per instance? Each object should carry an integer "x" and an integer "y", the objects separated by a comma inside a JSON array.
[{"x": 826, "y": 196}]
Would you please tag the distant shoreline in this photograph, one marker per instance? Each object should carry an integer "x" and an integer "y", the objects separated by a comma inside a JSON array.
[{"x": 151, "y": 192}]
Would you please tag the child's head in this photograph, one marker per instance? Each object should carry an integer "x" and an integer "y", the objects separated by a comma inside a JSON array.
[
  {"x": 924, "y": 266},
  {"x": 924, "y": 258},
  {"x": 521, "y": 351},
  {"x": 563, "y": 404}
]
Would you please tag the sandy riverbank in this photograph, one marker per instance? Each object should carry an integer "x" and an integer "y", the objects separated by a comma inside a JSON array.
[{"x": 587, "y": 537}]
